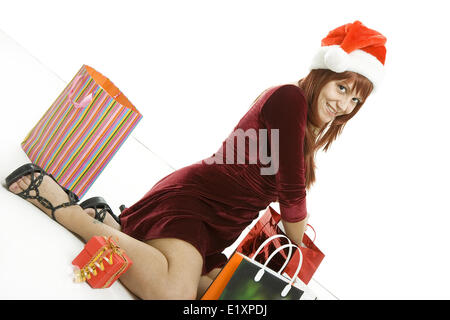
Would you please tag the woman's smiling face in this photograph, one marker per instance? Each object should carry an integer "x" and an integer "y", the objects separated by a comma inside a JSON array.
[{"x": 337, "y": 97}]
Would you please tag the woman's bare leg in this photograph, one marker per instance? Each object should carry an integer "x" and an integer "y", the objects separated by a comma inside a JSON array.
[
  {"x": 214, "y": 273},
  {"x": 153, "y": 275},
  {"x": 206, "y": 280},
  {"x": 203, "y": 284},
  {"x": 108, "y": 219}
]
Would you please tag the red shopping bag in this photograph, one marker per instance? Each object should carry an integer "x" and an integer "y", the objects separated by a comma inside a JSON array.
[{"x": 266, "y": 227}]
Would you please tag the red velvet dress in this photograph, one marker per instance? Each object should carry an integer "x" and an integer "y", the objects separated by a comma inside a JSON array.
[{"x": 209, "y": 203}]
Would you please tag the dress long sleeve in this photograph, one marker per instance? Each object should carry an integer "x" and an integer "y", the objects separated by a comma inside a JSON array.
[{"x": 286, "y": 110}]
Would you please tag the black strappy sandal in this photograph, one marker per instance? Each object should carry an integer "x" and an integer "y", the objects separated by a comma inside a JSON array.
[
  {"x": 30, "y": 169},
  {"x": 100, "y": 207}
]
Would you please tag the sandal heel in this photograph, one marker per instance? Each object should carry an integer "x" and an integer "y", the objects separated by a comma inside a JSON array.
[{"x": 99, "y": 204}]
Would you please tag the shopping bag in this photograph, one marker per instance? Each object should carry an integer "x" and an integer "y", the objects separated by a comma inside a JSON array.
[
  {"x": 81, "y": 131},
  {"x": 266, "y": 227},
  {"x": 243, "y": 278},
  {"x": 100, "y": 263}
]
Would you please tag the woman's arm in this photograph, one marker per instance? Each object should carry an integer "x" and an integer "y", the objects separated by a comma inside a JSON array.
[
  {"x": 295, "y": 230},
  {"x": 286, "y": 110}
]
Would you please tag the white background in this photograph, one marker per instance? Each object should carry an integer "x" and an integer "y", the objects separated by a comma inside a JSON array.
[{"x": 380, "y": 204}]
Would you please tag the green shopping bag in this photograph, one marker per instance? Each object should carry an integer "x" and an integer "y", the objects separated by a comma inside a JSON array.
[{"x": 244, "y": 278}]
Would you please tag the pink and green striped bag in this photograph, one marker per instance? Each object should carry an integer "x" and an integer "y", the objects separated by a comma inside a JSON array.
[{"x": 82, "y": 130}]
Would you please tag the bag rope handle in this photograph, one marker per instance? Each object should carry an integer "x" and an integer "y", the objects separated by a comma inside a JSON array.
[
  {"x": 71, "y": 95},
  {"x": 288, "y": 287},
  {"x": 315, "y": 234},
  {"x": 269, "y": 240}
]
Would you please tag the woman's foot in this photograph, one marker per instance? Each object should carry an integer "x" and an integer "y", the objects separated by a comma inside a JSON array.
[
  {"x": 51, "y": 191},
  {"x": 48, "y": 189}
]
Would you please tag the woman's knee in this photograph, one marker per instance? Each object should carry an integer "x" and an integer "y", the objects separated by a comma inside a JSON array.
[{"x": 184, "y": 269}]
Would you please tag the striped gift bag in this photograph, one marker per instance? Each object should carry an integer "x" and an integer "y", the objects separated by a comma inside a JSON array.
[{"x": 82, "y": 130}]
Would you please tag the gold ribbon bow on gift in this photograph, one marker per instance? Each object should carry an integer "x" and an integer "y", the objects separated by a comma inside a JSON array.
[{"x": 97, "y": 261}]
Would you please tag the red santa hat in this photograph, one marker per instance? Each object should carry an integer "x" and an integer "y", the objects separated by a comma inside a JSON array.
[{"x": 353, "y": 47}]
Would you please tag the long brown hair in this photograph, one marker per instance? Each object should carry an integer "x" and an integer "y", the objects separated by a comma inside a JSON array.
[{"x": 322, "y": 136}]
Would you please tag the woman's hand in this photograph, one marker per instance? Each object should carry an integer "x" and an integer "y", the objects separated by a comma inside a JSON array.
[{"x": 295, "y": 230}]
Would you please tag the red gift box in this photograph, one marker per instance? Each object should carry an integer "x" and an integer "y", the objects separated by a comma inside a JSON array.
[{"x": 101, "y": 262}]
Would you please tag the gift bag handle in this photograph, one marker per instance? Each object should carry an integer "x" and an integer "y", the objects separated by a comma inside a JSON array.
[
  {"x": 269, "y": 240},
  {"x": 315, "y": 234},
  {"x": 71, "y": 95},
  {"x": 287, "y": 288}
]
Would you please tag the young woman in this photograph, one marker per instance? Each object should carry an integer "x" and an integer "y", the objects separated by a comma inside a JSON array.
[{"x": 176, "y": 233}]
